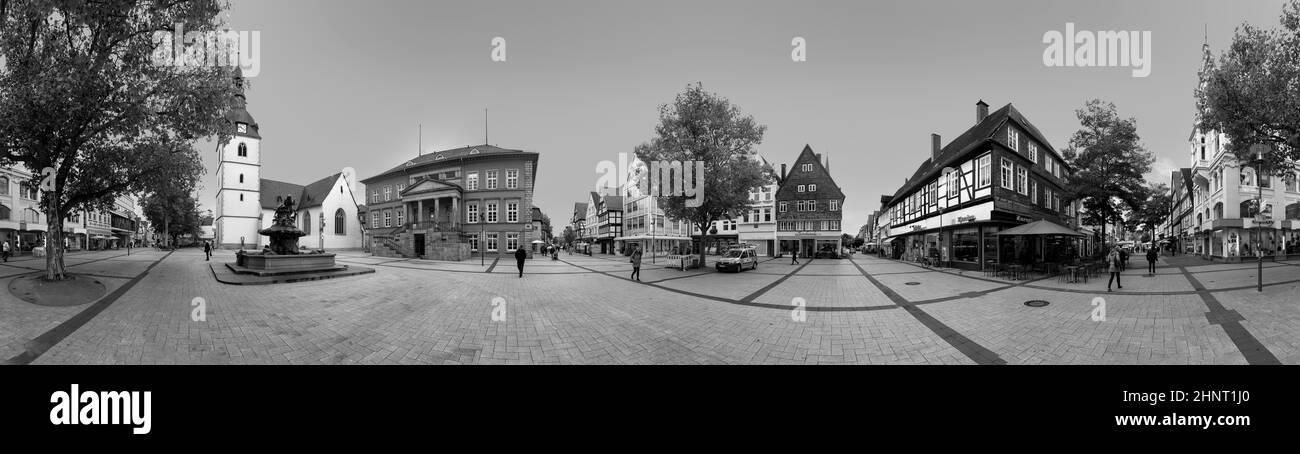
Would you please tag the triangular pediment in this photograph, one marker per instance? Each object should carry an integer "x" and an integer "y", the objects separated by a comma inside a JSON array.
[{"x": 429, "y": 185}]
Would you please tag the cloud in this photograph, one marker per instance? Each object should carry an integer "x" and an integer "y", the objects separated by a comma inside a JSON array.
[{"x": 1161, "y": 169}]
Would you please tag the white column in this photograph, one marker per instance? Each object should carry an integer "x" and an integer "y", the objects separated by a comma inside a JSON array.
[
  {"x": 435, "y": 209},
  {"x": 455, "y": 212},
  {"x": 420, "y": 206}
]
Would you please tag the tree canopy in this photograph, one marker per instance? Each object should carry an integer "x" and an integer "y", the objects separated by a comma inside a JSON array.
[
  {"x": 1109, "y": 161},
  {"x": 701, "y": 126},
  {"x": 1252, "y": 95},
  {"x": 81, "y": 96}
]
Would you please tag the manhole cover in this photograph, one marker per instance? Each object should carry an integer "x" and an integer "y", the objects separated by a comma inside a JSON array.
[
  {"x": 1037, "y": 303},
  {"x": 912, "y": 283}
]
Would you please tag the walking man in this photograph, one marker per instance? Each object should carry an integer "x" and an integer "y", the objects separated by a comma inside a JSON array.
[
  {"x": 1114, "y": 261},
  {"x": 636, "y": 265},
  {"x": 207, "y": 250},
  {"x": 1151, "y": 261},
  {"x": 794, "y": 256},
  {"x": 5, "y": 251},
  {"x": 520, "y": 256}
]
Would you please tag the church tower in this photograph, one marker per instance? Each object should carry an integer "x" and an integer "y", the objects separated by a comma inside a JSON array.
[{"x": 239, "y": 205}]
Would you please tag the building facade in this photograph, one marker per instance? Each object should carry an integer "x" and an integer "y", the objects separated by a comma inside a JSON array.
[
  {"x": 1239, "y": 210},
  {"x": 998, "y": 174},
  {"x": 809, "y": 207},
  {"x": 757, "y": 225},
  {"x": 454, "y": 204}
]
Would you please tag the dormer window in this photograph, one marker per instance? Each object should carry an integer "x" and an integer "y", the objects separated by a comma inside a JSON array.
[
  {"x": 439, "y": 158},
  {"x": 241, "y": 128},
  {"x": 474, "y": 151}
]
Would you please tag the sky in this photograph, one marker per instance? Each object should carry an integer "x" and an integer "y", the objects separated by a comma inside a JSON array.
[{"x": 348, "y": 83}]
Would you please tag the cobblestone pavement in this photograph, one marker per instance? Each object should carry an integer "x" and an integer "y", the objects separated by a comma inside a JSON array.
[{"x": 584, "y": 310}]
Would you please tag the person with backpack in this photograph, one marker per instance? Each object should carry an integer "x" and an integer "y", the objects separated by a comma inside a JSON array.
[{"x": 1115, "y": 266}]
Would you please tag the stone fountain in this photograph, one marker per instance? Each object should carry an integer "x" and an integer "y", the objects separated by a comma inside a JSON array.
[{"x": 282, "y": 256}]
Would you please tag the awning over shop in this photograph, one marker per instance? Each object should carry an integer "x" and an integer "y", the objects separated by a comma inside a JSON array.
[
  {"x": 1041, "y": 227},
  {"x": 643, "y": 237}
]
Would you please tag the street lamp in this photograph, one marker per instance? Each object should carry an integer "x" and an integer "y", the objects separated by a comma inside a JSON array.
[{"x": 1259, "y": 150}]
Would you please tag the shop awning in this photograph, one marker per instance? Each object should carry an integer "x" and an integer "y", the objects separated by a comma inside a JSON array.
[
  {"x": 642, "y": 237},
  {"x": 1041, "y": 227}
]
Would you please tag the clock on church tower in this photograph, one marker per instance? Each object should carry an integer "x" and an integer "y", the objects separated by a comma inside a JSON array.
[{"x": 239, "y": 206}]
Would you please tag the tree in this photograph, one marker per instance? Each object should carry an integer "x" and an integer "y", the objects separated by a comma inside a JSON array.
[
  {"x": 173, "y": 214},
  {"x": 89, "y": 111},
  {"x": 700, "y": 126},
  {"x": 569, "y": 236},
  {"x": 1155, "y": 207},
  {"x": 1109, "y": 161},
  {"x": 1251, "y": 95},
  {"x": 546, "y": 228}
]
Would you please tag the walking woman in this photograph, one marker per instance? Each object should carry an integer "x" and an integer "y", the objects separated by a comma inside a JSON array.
[
  {"x": 636, "y": 265},
  {"x": 1115, "y": 262}
]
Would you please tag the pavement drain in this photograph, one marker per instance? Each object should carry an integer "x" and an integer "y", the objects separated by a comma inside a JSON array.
[
  {"x": 1037, "y": 303},
  {"x": 912, "y": 283}
]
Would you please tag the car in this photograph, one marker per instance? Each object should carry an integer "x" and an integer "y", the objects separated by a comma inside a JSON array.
[{"x": 738, "y": 259}]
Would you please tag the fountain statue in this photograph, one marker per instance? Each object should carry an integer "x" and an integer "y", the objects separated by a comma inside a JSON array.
[
  {"x": 284, "y": 231},
  {"x": 282, "y": 257}
]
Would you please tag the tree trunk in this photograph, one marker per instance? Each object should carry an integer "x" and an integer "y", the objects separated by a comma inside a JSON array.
[
  {"x": 54, "y": 269},
  {"x": 704, "y": 241}
]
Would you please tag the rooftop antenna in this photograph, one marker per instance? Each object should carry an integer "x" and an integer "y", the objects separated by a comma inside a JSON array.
[
  {"x": 485, "y": 127},
  {"x": 421, "y": 143}
]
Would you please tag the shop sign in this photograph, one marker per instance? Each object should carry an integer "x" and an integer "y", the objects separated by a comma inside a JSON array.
[
  {"x": 966, "y": 219},
  {"x": 915, "y": 227}
]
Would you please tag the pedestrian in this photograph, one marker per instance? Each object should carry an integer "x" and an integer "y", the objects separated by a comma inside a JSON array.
[
  {"x": 207, "y": 250},
  {"x": 1123, "y": 259},
  {"x": 636, "y": 265},
  {"x": 520, "y": 256},
  {"x": 1114, "y": 262},
  {"x": 5, "y": 252},
  {"x": 794, "y": 256},
  {"x": 1151, "y": 261}
]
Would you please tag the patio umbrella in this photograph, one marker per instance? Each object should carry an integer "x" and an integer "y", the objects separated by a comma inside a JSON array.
[
  {"x": 1041, "y": 227},
  {"x": 538, "y": 242}
]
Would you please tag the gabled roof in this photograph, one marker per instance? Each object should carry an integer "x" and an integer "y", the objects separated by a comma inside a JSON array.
[
  {"x": 613, "y": 203},
  {"x": 808, "y": 157},
  {"x": 956, "y": 150},
  {"x": 310, "y": 196},
  {"x": 271, "y": 189},
  {"x": 314, "y": 194},
  {"x": 537, "y": 214}
]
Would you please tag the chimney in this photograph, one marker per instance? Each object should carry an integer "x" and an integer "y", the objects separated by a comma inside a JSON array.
[
  {"x": 981, "y": 111},
  {"x": 782, "y": 172},
  {"x": 936, "y": 144}
]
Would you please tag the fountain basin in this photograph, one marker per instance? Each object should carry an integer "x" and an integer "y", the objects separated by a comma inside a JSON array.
[{"x": 272, "y": 264}]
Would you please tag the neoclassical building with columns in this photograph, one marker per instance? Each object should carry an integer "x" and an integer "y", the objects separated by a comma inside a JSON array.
[{"x": 454, "y": 204}]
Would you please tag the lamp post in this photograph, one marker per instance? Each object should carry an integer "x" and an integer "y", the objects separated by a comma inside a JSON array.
[
  {"x": 1259, "y": 150},
  {"x": 322, "y": 230}
]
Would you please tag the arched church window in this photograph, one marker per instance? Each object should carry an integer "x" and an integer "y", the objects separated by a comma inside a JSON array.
[
  {"x": 243, "y": 150},
  {"x": 241, "y": 178},
  {"x": 306, "y": 221},
  {"x": 340, "y": 218}
]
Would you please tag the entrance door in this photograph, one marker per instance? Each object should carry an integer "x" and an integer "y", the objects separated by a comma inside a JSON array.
[{"x": 419, "y": 245}]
